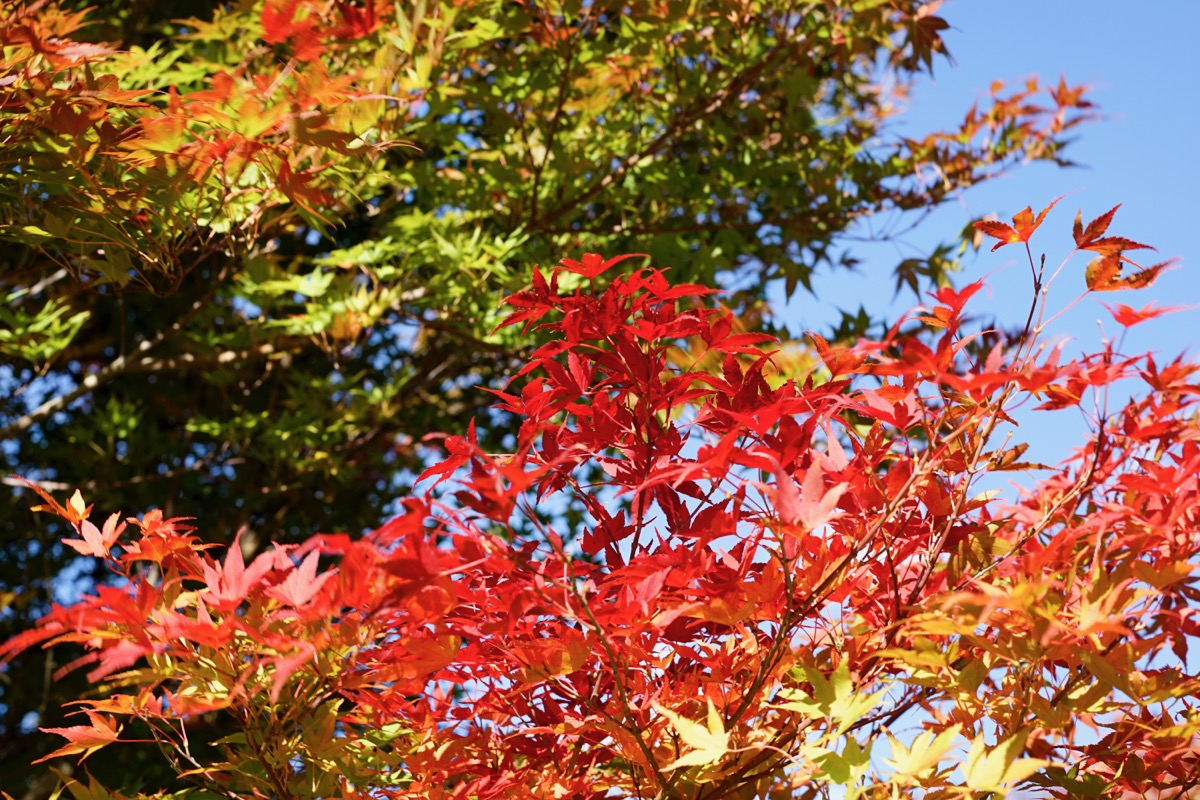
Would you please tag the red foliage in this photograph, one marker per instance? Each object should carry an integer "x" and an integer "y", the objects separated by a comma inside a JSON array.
[{"x": 771, "y": 556}]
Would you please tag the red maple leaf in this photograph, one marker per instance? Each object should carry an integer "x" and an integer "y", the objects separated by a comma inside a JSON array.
[
  {"x": 594, "y": 264},
  {"x": 1128, "y": 317},
  {"x": 229, "y": 584},
  {"x": 460, "y": 451},
  {"x": 280, "y": 25},
  {"x": 813, "y": 505},
  {"x": 301, "y": 584},
  {"x": 285, "y": 666},
  {"x": 357, "y": 21}
]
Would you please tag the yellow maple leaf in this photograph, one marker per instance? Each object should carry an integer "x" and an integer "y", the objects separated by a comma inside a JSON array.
[{"x": 709, "y": 742}]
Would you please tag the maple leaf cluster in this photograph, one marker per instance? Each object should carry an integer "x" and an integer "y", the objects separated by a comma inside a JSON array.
[
  {"x": 778, "y": 579},
  {"x": 157, "y": 173},
  {"x": 1103, "y": 274}
]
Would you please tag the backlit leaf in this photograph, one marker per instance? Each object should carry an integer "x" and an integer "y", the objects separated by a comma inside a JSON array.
[{"x": 708, "y": 743}]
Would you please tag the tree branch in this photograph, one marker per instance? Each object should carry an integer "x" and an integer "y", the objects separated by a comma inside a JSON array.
[
  {"x": 188, "y": 360},
  {"x": 735, "y": 86},
  {"x": 555, "y": 119},
  {"x": 117, "y": 366}
]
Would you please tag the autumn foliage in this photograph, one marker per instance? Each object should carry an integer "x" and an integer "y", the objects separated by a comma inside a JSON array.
[
  {"x": 253, "y": 251},
  {"x": 784, "y": 583},
  {"x": 134, "y": 181}
]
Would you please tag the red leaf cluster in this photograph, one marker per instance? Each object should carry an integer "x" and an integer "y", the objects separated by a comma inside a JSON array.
[{"x": 763, "y": 553}]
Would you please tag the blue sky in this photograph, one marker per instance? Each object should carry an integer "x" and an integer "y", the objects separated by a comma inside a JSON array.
[{"x": 1142, "y": 64}]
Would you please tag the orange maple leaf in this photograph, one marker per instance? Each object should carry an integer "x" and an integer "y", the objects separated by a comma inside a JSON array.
[
  {"x": 74, "y": 512},
  {"x": 1092, "y": 237},
  {"x": 1023, "y": 226},
  {"x": 1104, "y": 273},
  {"x": 85, "y": 739}
]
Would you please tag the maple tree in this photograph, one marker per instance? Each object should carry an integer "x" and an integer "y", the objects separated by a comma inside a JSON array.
[
  {"x": 321, "y": 208},
  {"x": 252, "y": 250},
  {"x": 786, "y": 585}
]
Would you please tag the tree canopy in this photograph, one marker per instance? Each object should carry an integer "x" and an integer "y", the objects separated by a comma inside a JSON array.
[{"x": 254, "y": 250}]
